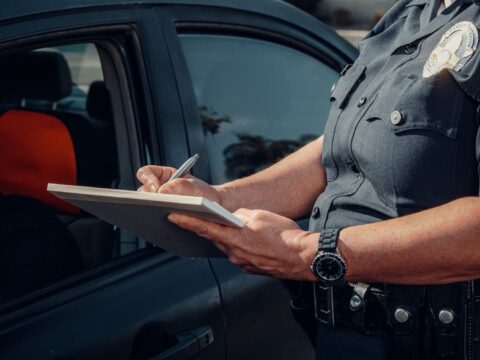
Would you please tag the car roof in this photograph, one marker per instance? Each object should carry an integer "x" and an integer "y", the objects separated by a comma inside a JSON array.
[{"x": 14, "y": 9}]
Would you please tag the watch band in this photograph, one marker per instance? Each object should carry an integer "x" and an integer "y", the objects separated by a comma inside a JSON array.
[{"x": 328, "y": 240}]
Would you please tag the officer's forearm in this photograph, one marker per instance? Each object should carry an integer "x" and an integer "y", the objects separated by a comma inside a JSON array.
[
  {"x": 288, "y": 188},
  {"x": 436, "y": 246}
]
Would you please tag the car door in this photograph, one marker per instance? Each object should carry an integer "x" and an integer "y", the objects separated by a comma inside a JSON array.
[
  {"x": 142, "y": 302},
  {"x": 256, "y": 88}
]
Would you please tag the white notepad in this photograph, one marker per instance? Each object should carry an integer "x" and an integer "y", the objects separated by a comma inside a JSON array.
[{"x": 144, "y": 215}]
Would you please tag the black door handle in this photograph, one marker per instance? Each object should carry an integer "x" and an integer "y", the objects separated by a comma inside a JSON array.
[{"x": 188, "y": 344}]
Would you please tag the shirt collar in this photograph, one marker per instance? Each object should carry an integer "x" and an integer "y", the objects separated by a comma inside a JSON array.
[
  {"x": 423, "y": 2},
  {"x": 416, "y": 3}
]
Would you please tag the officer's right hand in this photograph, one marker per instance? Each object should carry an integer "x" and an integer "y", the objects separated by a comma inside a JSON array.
[{"x": 155, "y": 179}]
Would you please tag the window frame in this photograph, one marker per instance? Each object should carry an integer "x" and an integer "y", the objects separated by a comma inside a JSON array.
[
  {"x": 311, "y": 125},
  {"x": 219, "y": 21},
  {"x": 121, "y": 57}
]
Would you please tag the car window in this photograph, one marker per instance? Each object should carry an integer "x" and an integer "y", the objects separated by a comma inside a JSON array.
[
  {"x": 56, "y": 126},
  {"x": 85, "y": 69},
  {"x": 258, "y": 100}
]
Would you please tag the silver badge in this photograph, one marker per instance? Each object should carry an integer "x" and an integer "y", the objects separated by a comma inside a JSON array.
[{"x": 454, "y": 50}]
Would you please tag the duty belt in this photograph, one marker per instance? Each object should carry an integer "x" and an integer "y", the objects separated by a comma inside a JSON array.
[
  {"x": 358, "y": 305},
  {"x": 421, "y": 322}
]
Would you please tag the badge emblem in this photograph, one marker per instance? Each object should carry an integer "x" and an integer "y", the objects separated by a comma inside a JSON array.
[{"x": 455, "y": 48}]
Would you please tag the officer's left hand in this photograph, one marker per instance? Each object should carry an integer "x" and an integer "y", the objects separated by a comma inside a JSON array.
[{"x": 268, "y": 243}]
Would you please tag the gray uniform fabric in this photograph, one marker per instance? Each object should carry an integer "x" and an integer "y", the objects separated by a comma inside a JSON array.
[{"x": 397, "y": 143}]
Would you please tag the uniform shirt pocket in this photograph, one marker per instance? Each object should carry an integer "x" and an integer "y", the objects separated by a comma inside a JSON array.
[
  {"x": 409, "y": 145},
  {"x": 419, "y": 104}
]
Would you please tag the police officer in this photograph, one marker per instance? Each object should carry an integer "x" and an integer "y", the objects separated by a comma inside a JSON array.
[{"x": 394, "y": 240}]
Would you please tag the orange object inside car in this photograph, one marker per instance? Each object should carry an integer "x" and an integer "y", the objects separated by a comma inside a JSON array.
[{"x": 36, "y": 149}]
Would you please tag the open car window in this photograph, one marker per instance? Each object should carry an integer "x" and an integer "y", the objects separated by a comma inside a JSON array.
[{"x": 57, "y": 125}]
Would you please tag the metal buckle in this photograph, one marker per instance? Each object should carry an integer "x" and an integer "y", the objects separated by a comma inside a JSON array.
[
  {"x": 358, "y": 299},
  {"x": 325, "y": 313}
]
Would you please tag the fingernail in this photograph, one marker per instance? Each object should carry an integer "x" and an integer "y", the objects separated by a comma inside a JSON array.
[
  {"x": 152, "y": 188},
  {"x": 172, "y": 218}
]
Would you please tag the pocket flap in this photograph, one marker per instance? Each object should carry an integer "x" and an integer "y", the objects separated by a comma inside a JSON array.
[{"x": 413, "y": 104}]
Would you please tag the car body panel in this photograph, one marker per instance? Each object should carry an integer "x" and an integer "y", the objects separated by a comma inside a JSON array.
[
  {"x": 108, "y": 322},
  {"x": 148, "y": 300},
  {"x": 270, "y": 8}
]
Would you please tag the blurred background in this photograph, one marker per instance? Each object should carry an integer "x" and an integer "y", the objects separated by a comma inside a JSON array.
[{"x": 351, "y": 18}]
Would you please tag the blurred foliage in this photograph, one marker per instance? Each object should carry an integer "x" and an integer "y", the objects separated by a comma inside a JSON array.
[
  {"x": 251, "y": 153},
  {"x": 212, "y": 120}
]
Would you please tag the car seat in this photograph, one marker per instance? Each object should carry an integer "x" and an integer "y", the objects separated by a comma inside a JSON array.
[
  {"x": 98, "y": 239},
  {"x": 45, "y": 76},
  {"x": 36, "y": 249}
]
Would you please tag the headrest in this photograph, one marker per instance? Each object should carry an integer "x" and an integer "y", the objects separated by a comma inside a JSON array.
[
  {"x": 36, "y": 149},
  {"x": 99, "y": 105},
  {"x": 37, "y": 75}
]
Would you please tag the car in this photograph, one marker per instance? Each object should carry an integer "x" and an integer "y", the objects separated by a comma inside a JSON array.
[{"x": 90, "y": 91}]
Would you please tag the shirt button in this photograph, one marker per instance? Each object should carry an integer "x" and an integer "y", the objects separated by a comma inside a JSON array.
[
  {"x": 396, "y": 117},
  {"x": 410, "y": 49},
  {"x": 316, "y": 213},
  {"x": 362, "y": 102}
]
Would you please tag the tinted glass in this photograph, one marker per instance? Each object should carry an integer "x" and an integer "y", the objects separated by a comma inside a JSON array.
[{"x": 258, "y": 100}]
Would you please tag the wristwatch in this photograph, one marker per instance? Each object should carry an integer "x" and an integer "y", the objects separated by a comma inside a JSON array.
[{"x": 328, "y": 265}]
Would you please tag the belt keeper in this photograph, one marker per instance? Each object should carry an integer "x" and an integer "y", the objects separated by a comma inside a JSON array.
[{"x": 324, "y": 314}]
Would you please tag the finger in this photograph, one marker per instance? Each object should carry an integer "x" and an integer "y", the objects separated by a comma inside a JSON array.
[
  {"x": 180, "y": 187},
  {"x": 176, "y": 186},
  {"x": 222, "y": 248},
  {"x": 220, "y": 234},
  {"x": 154, "y": 176},
  {"x": 235, "y": 260},
  {"x": 162, "y": 173},
  {"x": 150, "y": 182},
  {"x": 250, "y": 269}
]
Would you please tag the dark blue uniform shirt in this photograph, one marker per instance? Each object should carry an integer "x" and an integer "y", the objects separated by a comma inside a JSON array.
[{"x": 397, "y": 142}]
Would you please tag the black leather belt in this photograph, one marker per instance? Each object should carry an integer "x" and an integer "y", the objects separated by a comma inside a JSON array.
[
  {"x": 393, "y": 311},
  {"x": 354, "y": 305}
]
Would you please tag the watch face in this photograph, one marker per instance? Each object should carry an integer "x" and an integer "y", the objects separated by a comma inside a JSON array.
[{"x": 330, "y": 267}]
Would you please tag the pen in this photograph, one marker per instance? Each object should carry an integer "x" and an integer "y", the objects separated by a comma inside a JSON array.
[{"x": 185, "y": 168}]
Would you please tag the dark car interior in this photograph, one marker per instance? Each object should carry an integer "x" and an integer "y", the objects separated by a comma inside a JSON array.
[{"x": 47, "y": 135}]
